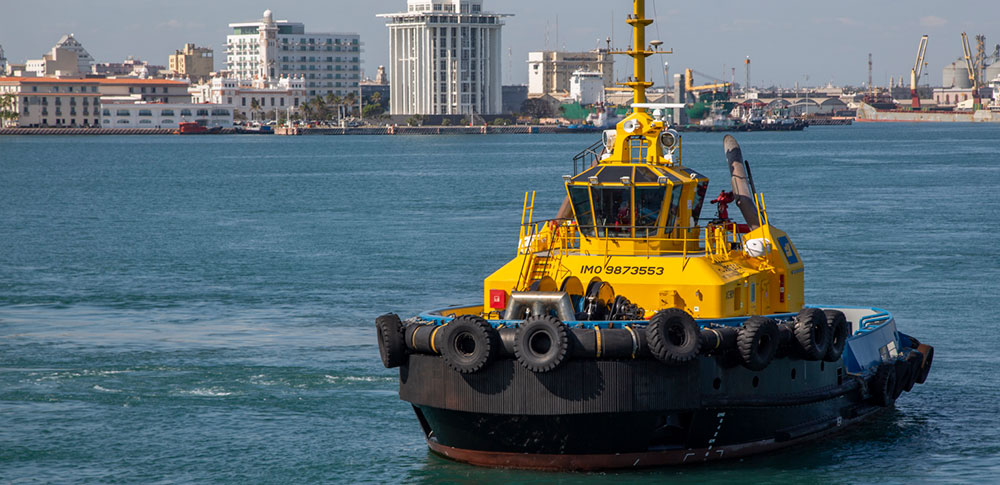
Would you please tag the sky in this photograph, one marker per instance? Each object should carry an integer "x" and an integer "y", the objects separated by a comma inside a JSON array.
[{"x": 789, "y": 42}]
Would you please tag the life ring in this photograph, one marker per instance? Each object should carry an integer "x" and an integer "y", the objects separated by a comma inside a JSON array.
[
  {"x": 883, "y": 385},
  {"x": 757, "y": 342},
  {"x": 915, "y": 359},
  {"x": 674, "y": 337},
  {"x": 469, "y": 343},
  {"x": 925, "y": 368},
  {"x": 840, "y": 330},
  {"x": 541, "y": 343},
  {"x": 391, "y": 346},
  {"x": 812, "y": 333}
]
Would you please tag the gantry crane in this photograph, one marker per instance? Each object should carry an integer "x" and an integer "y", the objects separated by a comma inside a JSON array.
[
  {"x": 977, "y": 102},
  {"x": 918, "y": 69}
]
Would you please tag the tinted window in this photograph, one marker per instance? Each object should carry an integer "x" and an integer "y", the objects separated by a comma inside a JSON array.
[
  {"x": 580, "y": 197},
  {"x": 675, "y": 206},
  {"x": 648, "y": 201},
  {"x": 612, "y": 211},
  {"x": 699, "y": 200}
]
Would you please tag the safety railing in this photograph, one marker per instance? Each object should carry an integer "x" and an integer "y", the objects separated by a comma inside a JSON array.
[
  {"x": 587, "y": 157},
  {"x": 558, "y": 236}
]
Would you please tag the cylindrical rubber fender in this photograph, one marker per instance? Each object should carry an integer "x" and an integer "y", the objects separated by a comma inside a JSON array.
[
  {"x": 757, "y": 342},
  {"x": 812, "y": 333},
  {"x": 883, "y": 385},
  {"x": 674, "y": 337},
  {"x": 903, "y": 374},
  {"x": 391, "y": 346},
  {"x": 507, "y": 335},
  {"x": 424, "y": 338},
  {"x": 541, "y": 343},
  {"x": 716, "y": 340},
  {"x": 914, "y": 359},
  {"x": 608, "y": 343},
  {"x": 928, "y": 353},
  {"x": 840, "y": 330},
  {"x": 469, "y": 343}
]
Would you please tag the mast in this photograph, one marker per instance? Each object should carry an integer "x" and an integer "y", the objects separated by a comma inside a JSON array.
[{"x": 639, "y": 52}]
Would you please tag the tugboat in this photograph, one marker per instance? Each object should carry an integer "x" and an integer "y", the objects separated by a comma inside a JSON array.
[{"x": 628, "y": 331}]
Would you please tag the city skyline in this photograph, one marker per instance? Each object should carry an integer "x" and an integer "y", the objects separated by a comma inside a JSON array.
[{"x": 788, "y": 43}]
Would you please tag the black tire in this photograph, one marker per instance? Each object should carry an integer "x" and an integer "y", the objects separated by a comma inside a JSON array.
[
  {"x": 391, "y": 345},
  {"x": 903, "y": 375},
  {"x": 925, "y": 369},
  {"x": 840, "y": 330},
  {"x": 883, "y": 385},
  {"x": 541, "y": 343},
  {"x": 469, "y": 343},
  {"x": 674, "y": 337},
  {"x": 915, "y": 359},
  {"x": 812, "y": 333},
  {"x": 757, "y": 342}
]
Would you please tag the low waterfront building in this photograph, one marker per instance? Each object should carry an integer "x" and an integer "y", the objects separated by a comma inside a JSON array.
[
  {"x": 444, "y": 58},
  {"x": 147, "y": 90},
  {"x": 251, "y": 97},
  {"x": 192, "y": 62},
  {"x": 266, "y": 49},
  {"x": 44, "y": 101},
  {"x": 124, "y": 112},
  {"x": 551, "y": 72}
]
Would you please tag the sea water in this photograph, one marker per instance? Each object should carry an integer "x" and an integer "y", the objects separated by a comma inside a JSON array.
[{"x": 200, "y": 309}]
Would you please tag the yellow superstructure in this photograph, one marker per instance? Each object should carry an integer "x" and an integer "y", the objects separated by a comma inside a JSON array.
[{"x": 635, "y": 229}]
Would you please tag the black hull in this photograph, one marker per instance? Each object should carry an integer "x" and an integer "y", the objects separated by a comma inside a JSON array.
[{"x": 597, "y": 414}]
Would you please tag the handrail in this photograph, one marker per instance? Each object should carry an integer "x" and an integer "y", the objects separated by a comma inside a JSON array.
[
  {"x": 593, "y": 153},
  {"x": 714, "y": 240}
]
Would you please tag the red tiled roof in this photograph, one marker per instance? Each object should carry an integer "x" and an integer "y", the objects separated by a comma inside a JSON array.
[
  {"x": 48, "y": 80},
  {"x": 135, "y": 82}
]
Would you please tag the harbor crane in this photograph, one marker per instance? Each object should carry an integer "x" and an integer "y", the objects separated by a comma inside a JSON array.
[
  {"x": 970, "y": 64},
  {"x": 918, "y": 69},
  {"x": 691, "y": 88}
]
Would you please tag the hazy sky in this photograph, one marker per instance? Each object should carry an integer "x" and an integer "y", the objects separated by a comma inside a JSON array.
[{"x": 786, "y": 40}]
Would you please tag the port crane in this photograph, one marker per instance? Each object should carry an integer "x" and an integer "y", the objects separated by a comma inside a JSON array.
[
  {"x": 918, "y": 69},
  {"x": 691, "y": 88},
  {"x": 970, "y": 64}
]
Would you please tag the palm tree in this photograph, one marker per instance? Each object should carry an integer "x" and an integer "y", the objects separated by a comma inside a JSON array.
[
  {"x": 320, "y": 106},
  {"x": 350, "y": 100},
  {"x": 7, "y": 109},
  {"x": 254, "y": 107},
  {"x": 307, "y": 111},
  {"x": 334, "y": 100}
]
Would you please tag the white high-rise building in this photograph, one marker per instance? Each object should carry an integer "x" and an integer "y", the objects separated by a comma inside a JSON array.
[
  {"x": 330, "y": 63},
  {"x": 444, "y": 58}
]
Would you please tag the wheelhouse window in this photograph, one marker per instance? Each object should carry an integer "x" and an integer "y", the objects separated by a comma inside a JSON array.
[
  {"x": 612, "y": 211},
  {"x": 648, "y": 202},
  {"x": 675, "y": 206},
  {"x": 579, "y": 195},
  {"x": 699, "y": 200}
]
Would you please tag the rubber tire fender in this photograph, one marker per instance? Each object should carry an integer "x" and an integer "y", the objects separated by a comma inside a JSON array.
[
  {"x": 883, "y": 385},
  {"x": 391, "y": 344},
  {"x": 469, "y": 343},
  {"x": 812, "y": 333},
  {"x": 674, "y": 337},
  {"x": 840, "y": 330},
  {"x": 914, "y": 359},
  {"x": 903, "y": 375},
  {"x": 757, "y": 342},
  {"x": 541, "y": 343},
  {"x": 928, "y": 352}
]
